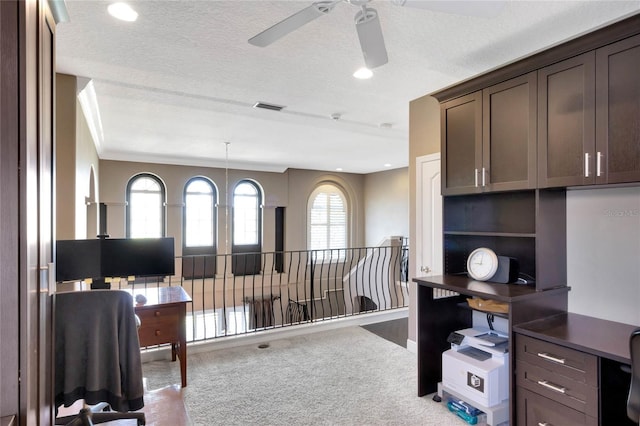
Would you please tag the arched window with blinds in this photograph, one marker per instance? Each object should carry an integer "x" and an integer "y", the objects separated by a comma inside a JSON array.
[{"x": 327, "y": 221}]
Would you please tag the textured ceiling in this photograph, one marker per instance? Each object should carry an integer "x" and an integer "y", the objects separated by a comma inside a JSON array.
[{"x": 178, "y": 83}]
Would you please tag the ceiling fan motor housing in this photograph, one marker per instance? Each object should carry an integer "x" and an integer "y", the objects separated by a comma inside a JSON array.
[{"x": 370, "y": 36}]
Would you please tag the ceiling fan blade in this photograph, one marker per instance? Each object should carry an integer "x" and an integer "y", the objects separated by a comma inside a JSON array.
[
  {"x": 371, "y": 40},
  {"x": 292, "y": 23},
  {"x": 482, "y": 8}
]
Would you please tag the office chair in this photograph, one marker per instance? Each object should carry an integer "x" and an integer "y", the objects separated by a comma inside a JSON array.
[
  {"x": 633, "y": 400},
  {"x": 97, "y": 356}
]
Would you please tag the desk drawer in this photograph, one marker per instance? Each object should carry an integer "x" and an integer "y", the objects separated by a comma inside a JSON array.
[
  {"x": 535, "y": 410},
  {"x": 572, "y": 393},
  {"x": 576, "y": 365},
  {"x": 159, "y": 325}
]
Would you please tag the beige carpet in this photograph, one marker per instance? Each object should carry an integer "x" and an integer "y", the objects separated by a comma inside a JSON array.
[{"x": 339, "y": 377}]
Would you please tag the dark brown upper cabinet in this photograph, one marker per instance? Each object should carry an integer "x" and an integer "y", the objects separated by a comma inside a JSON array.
[
  {"x": 566, "y": 122},
  {"x": 461, "y": 129},
  {"x": 618, "y": 112},
  {"x": 489, "y": 138},
  {"x": 589, "y": 118},
  {"x": 509, "y": 135}
]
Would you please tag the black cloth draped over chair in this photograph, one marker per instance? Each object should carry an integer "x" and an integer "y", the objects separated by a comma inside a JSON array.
[{"x": 97, "y": 353}]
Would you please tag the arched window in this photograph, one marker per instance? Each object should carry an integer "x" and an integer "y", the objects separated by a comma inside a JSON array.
[
  {"x": 199, "y": 234},
  {"x": 327, "y": 219},
  {"x": 247, "y": 217},
  {"x": 247, "y": 227},
  {"x": 145, "y": 210},
  {"x": 199, "y": 213}
]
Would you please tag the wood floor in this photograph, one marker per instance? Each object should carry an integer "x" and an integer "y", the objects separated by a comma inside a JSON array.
[
  {"x": 395, "y": 331},
  {"x": 162, "y": 407}
]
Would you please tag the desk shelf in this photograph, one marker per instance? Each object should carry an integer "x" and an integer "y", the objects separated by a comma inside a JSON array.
[{"x": 439, "y": 316}]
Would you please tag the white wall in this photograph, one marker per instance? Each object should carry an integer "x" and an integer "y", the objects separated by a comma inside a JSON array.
[
  {"x": 386, "y": 204},
  {"x": 603, "y": 253},
  {"x": 86, "y": 162}
]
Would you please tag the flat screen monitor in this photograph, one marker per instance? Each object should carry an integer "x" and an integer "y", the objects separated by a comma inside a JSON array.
[
  {"x": 141, "y": 257},
  {"x": 77, "y": 259},
  {"x": 114, "y": 257}
]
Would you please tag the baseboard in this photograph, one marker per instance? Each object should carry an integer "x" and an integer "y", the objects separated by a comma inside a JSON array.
[{"x": 412, "y": 346}]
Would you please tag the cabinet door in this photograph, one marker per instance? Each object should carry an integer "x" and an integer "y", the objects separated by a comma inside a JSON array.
[
  {"x": 566, "y": 122},
  {"x": 461, "y": 121},
  {"x": 534, "y": 410},
  {"x": 618, "y": 112},
  {"x": 509, "y": 134}
]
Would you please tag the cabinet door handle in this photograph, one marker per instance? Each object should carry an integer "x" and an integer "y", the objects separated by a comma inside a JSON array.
[
  {"x": 475, "y": 176},
  {"x": 551, "y": 358},
  {"x": 483, "y": 174},
  {"x": 586, "y": 164},
  {"x": 551, "y": 386},
  {"x": 544, "y": 424},
  {"x": 598, "y": 163}
]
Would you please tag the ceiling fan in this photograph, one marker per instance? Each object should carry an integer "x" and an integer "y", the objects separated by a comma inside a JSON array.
[
  {"x": 368, "y": 23},
  {"x": 367, "y": 26}
]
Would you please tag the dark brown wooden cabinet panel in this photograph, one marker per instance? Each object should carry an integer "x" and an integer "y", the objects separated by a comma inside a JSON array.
[
  {"x": 461, "y": 121},
  {"x": 534, "y": 410},
  {"x": 566, "y": 122},
  {"x": 509, "y": 134},
  {"x": 589, "y": 118},
  {"x": 527, "y": 225},
  {"x": 489, "y": 139},
  {"x": 618, "y": 112}
]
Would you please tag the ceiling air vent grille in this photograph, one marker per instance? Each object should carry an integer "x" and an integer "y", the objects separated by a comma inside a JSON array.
[{"x": 265, "y": 105}]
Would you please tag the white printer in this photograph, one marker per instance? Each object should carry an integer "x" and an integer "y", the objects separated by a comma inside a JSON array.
[{"x": 477, "y": 365}]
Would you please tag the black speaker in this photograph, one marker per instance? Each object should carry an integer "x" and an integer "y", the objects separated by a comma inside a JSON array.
[{"x": 508, "y": 270}]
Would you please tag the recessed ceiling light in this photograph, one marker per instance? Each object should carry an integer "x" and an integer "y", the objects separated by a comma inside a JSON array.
[
  {"x": 339, "y": 169},
  {"x": 387, "y": 165},
  {"x": 363, "y": 73},
  {"x": 122, "y": 11}
]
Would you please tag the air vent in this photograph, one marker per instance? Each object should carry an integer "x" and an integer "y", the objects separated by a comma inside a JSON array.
[{"x": 264, "y": 105}]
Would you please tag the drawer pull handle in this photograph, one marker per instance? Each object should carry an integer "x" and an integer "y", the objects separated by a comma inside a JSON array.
[
  {"x": 157, "y": 332},
  {"x": 544, "y": 424},
  {"x": 157, "y": 313},
  {"x": 551, "y": 386},
  {"x": 551, "y": 358}
]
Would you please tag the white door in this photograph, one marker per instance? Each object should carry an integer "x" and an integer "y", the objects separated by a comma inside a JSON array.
[
  {"x": 428, "y": 244},
  {"x": 428, "y": 216}
]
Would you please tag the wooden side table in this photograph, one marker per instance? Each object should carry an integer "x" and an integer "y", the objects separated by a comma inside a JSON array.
[{"x": 163, "y": 320}]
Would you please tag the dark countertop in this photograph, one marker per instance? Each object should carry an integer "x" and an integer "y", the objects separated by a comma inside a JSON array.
[
  {"x": 604, "y": 338},
  {"x": 484, "y": 289}
]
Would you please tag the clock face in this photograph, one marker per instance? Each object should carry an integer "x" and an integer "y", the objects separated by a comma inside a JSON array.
[{"x": 482, "y": 264}]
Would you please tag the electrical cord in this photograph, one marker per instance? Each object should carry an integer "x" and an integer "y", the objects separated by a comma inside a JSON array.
[{"x": 490, "y": 319}]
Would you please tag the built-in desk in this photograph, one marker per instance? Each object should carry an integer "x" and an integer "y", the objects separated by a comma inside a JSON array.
[
  {"x": 593, "y": 351},
  {"x": 438, "y": 316},
  {"x": 163, "y": 320}
]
